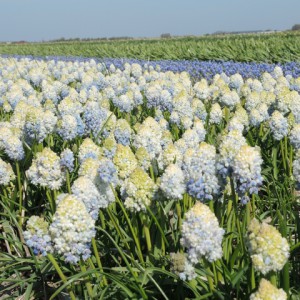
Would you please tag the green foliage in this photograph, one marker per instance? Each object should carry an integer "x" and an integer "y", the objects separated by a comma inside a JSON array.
[{"x": 270, "y": 48}]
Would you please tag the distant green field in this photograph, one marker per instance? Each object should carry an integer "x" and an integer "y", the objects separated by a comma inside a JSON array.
[{"x": 270, "y": 48}]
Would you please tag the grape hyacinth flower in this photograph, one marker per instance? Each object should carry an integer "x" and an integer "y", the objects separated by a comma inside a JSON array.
[
  {"x": 6, "y": 173},
  {"x": 149, "y": 136},
  {"x": 72, "y": 230},
  {"x": 45, "y": 170},
  {"x": 89, "y": 168},
  {"x": 11, "y": 143},
  {"x": 267, "y": 291},
  {"x": 122, "y": 132},
  {"x": 173, "y": 182},
  {"x": 191, "y": 138},
  {"x": 278, "y": 125},
  {"x": 37, "y": 236},
  {"x": 86, "y": 191},
  {"x": 229, "y": 147},
  {"x": 88, "y": 149},
  {"x": 247, "y": 171},
  {"x": 230, "y": 99},
  {"x": 109, "y": 147},
  {"x": 235, "y": 124},
  {"x": 201, "y": 89},
  {"x": 198, "y": 126},
  {"x": 181, "y": 266},
  {"x": 216, "y": 114},
  {"x": 94, "y": 117},
  {"x": 171, "y": 154},
  {"x": 295, "y": 136},
  {"x": 138, "y": 190},
  {"x": 67, "y": 127},
  {"x": 38, "y": 124},
  {"x": 108, "y": 172},
  {"x": 124, "y": 161},
  {"x": 269, "y": 251},
  {"x": 199, "y": 109},
  {"x": 199, "y": 166},
  {"x": 69, "y": 107},
  {"x": 296, "y": 168},
  {"x": 143, "y": 158},
  {"x": 201, "y": 234},
  {"x": 67, "y": 160}
]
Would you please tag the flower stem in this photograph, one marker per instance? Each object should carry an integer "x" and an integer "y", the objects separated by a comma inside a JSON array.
[
  {"x": 87, "y": 283},
  {"x": 68, "y": 181},
  {"x": 98, "y": 259},
  {"x": 61, "y": 274},
  {"x": 20, "y": 188}
]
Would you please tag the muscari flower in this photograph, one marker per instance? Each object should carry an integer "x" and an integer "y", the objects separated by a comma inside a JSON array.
[
  {"x": 6, "y": 173},
  {"x": 296, "y": 167},
  {"x": 89, "y": 168},
  {"x": 236, "y": 81},
  {"x": 258, "y": 115},
  {"x": 158, "y": 98},
  {"x": 235, "y": 124},
  {"x": 11, "y": 143},
  {"x": 138, "y": 190},
  {"x": 166, "y": 139},
  {"x": 143, "y": 158},
  {"x": 37, "y": 236},
  {"x": 38, "y": 124},
  {"x": 124, "y": 102},
  {"x": 172, "y": 182},
  {"x": 122, "y": 132},
  {"x": 278, "y": 125},
  {"x": 149, "y": 136},
  {"x": 216, "y": 114},
  {"x": 88, "y": 149},
  {"x": 109, "y": 147},
  {"x": 107, "y": 172},
  {"x": 72, "y": 229},
  {"x": 199, "y": 109},
  {"x": 94, "y": 117},
  {"x": 67, "y": 127},
  {"x": 45, "y": 170},
  {"x": 67, "y": 160},
  {"x": 171, "y": 154},
  {"x": 269, "y": 251},
  {"x": 242, "y": 116},
  {"x": 230, "y": 99},
  {"x": 191, "y": 138},
  {"x": 69, "y": 106},
  {"x": 86, "y": 191},
  {"x": 295, "y": 136},
  {"x": 247, "y": 170},
  {"x": 201, "y": 234},
  {"x": 267, "y": 291},
  {"x": 252, "y": 100},
  {"x": 182, "y": 267},
  {"x": 124, "y": 161},
  {"x": 199, "y": 166},
  {"x": 229, "y": 147},
  {"x": 198, "y": 126},
  {"x": 201, "y": 89}
]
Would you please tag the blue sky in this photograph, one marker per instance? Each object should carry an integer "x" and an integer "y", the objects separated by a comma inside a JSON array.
[{"x": 36, "y": 20}]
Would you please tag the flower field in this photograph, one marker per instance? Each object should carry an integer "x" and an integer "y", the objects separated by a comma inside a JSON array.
[{"x": 149, "y": 180}]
